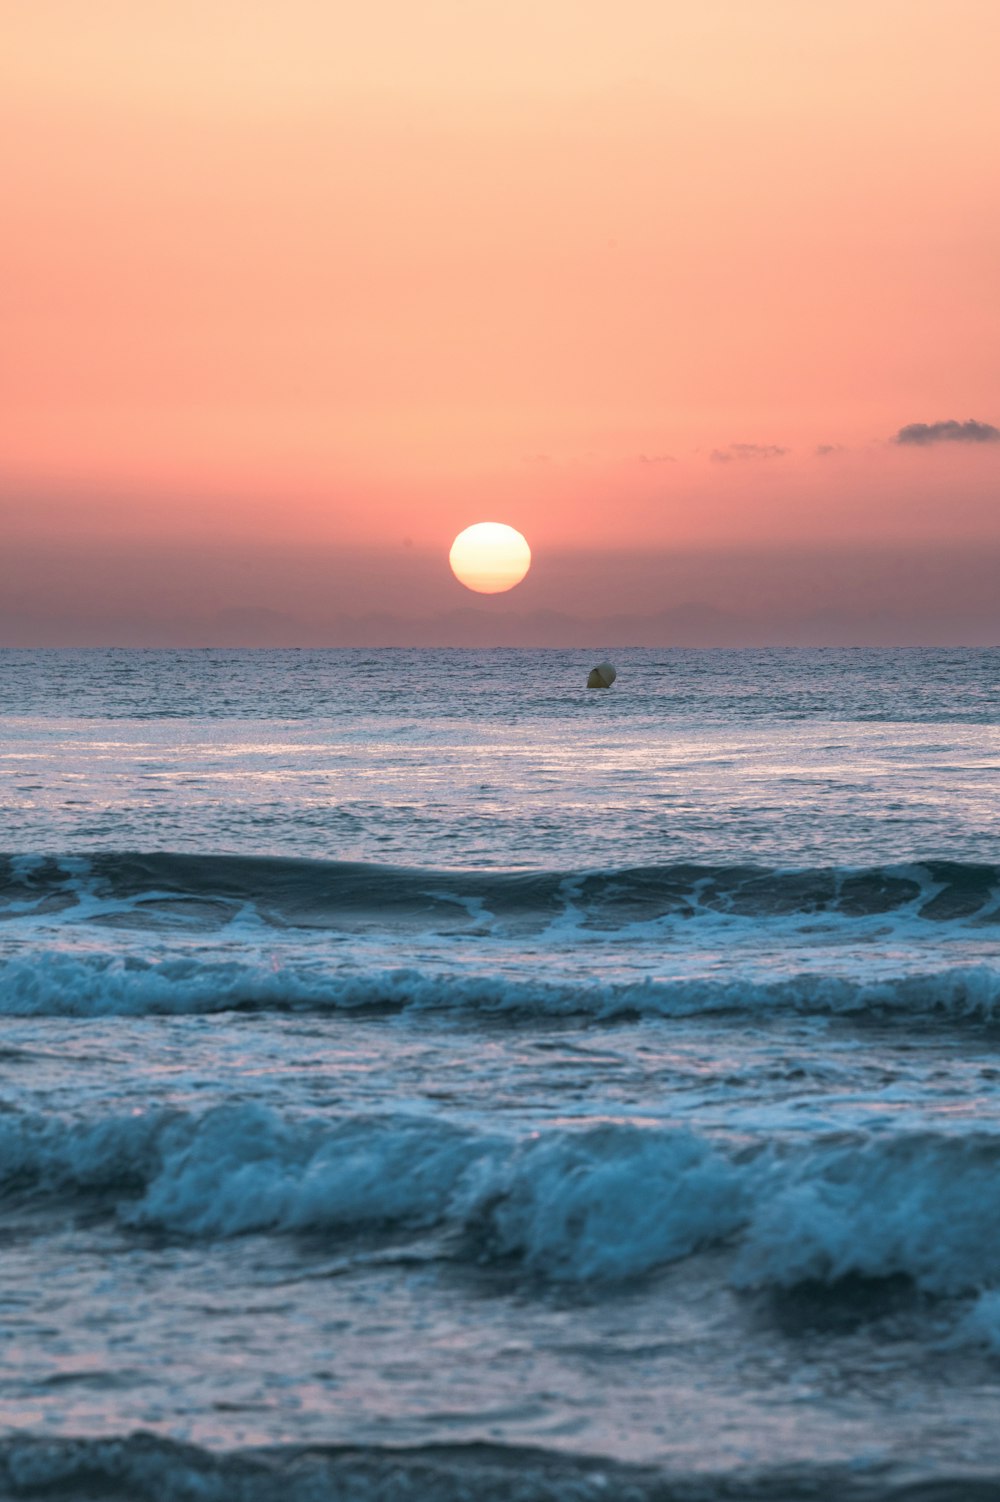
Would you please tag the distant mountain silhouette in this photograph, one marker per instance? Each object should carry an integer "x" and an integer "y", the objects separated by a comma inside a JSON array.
[
  {"x": 688, "y": 625},
  {"x": 693, "y": 624}
]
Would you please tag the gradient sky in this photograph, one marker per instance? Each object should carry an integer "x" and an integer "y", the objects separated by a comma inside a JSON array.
[{"x": 304, "y": 283}]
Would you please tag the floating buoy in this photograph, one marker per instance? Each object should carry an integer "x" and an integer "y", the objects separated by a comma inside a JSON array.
[{"x": 602, "y": 676}]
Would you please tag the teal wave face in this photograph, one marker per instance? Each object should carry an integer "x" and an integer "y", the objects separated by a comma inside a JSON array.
[{"x": 335, "y": 894}]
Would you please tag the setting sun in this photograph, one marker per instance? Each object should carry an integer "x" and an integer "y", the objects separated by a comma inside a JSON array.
[{"x": 489, "y": 557}]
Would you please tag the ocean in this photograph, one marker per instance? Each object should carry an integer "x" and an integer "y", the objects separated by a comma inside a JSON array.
[{"x": 426, "y": 1078}]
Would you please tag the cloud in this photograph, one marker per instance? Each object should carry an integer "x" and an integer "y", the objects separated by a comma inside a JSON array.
[
  {"x": 657, "y": 459},
  {"x": 923, "y": 433},
  {"x": 747, "y": 451},
  {"x": 824, "y": 450}
]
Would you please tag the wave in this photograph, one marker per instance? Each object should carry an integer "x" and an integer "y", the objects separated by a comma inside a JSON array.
[
  {"x": 163, "y": 1470},
  {"x": 164, "y": 889},
  {"x": 52, "y": 983},
  {"x": 169, "y": 934},
  {"x": 597, "y": 1203}
]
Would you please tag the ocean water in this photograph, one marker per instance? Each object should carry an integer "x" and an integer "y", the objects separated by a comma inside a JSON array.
[{"x": 426, "y": 1078}]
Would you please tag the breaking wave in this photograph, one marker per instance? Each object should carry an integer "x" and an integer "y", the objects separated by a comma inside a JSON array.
[
  {"x": 52, "y": 983},
  {"x": 595, "y": 1203},
  {"x": 173, "y": 934}
]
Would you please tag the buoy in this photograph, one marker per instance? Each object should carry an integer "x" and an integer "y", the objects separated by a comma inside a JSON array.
[{"x": 602, "y": 676}]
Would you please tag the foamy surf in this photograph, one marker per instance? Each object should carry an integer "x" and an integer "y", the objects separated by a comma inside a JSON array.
[
  {"x": 595, "y": 1203},
  {"x": 54, "y": 984},
  {"x": 163, "y": 934}
]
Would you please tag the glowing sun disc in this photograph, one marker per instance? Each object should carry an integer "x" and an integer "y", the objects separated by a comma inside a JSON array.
[{"x": 489, "y": 557}]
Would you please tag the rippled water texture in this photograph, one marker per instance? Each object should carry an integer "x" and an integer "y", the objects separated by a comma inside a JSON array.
[{"x": 505, "y": 758}]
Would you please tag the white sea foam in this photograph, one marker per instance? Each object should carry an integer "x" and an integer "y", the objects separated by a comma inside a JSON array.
[
  {"x": 980, "y": 1326},
  {"x": 108, "y": 983},
  {"x": 599, "y": 1203}
]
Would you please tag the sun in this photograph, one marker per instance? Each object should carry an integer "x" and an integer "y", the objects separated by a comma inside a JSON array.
[{"x": 489, "y": 557}]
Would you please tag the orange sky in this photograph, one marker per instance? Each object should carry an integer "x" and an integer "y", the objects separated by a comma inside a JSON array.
[{"x": 315, "y": 275}]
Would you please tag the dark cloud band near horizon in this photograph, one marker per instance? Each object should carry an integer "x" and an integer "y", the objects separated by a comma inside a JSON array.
[{"x": 922, "y": 434}]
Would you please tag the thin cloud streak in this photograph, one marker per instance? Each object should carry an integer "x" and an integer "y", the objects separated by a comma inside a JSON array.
[{"x": 742, "y": 451}]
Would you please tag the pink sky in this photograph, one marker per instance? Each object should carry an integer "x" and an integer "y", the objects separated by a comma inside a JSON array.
[{"x": 297, "y": 280}]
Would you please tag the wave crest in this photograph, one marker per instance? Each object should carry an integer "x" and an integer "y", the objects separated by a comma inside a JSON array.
[
  {"x": 208, "y": 890},
  {"x": 52, "y": 983},
  {"x": 595, "y": 1203}
]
